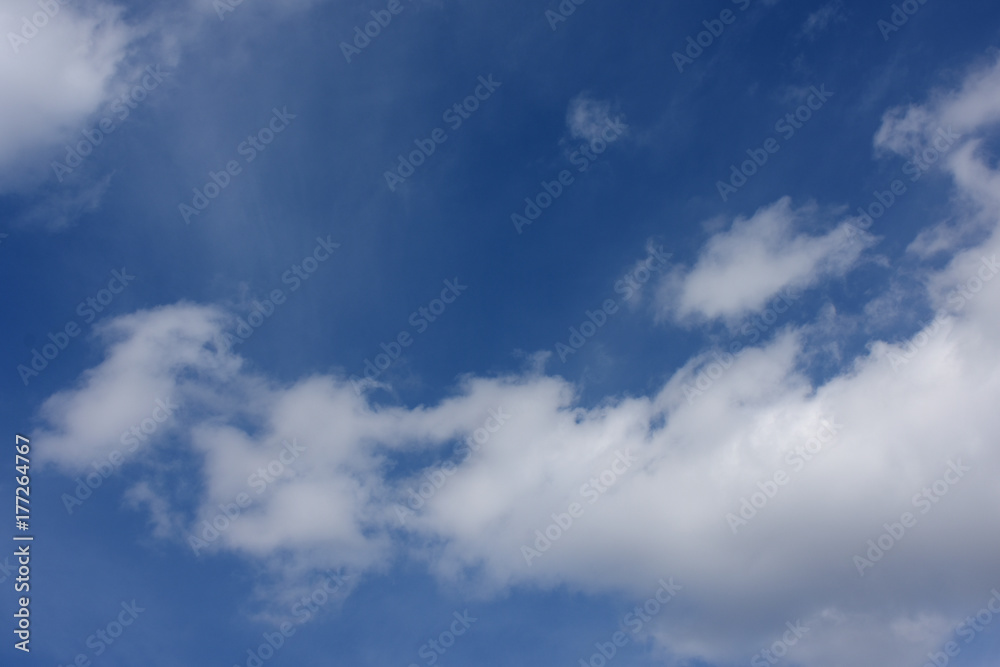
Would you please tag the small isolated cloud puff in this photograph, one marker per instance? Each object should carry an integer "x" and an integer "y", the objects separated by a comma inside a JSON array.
[
  {"x": 587, "y": 118},
  {"x": 823, "y": 17},
  {"x": 740, "y": 270}
]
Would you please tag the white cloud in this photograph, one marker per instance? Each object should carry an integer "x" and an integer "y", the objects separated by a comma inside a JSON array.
[
  {"x": 821, "y": 18},
  {"x": 740, "y": 270},
  {"x": 588, "y": 119},
  {"x": 57, "y": 78},
  {"x": 901, "y": 413},
  {"x": 59, "y": 207},
  {"x": 665, "y": 516},
  {"x": 147, "y": 356},
  {"x": 64, "y": 63},
  {"x": 948, "y": 132}
]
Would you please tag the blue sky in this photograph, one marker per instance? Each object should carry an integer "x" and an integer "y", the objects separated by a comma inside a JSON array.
[{"x": 698, "y": 364}]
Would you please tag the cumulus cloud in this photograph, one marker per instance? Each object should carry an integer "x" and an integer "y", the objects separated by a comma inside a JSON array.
[
  {"x": 615, "y": 496},
  {"x": 58, "y": 68},
  {"x": 740, "y": 270},
  {"x": 148, "y": 356},
  {"x": 681, "y": 465}
]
